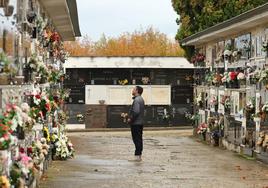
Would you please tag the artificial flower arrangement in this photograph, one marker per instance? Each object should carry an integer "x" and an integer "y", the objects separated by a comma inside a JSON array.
[
  {"x": 198, "y": 59},
  {"x": 55, "y": 76},
  {"x": 241, "y": 78},
  {"x": 202, "y": 128},
  {"x": 250, "y": 108},
  {"x": 63, "y": 148},
  {"x": 209, "y": 78},
  {"x": 220, "y": 57},
  {"x": 191, "y": 117},
  {"x": 237, "y": 54},
  {"x": 41, "y": 105},
  {"x": 80, "y": 117},
  {"x": 265, "y": 46},
  {"x": 123, "y": 82},
  {"x": 4, "y": 63},
  {"x": 263, "y": 140},
  {"x": 62, "y": 117},
  {"x": 217, "y": 79},
  {"x": 255, "y": 76},
  {"x": 124, "y": 116},
  {"x": 264, "y": 108},
  {"x": 22, "y": 170},
  {"x": 227, "y": 54},
  {"x": 4, "y": 182},
  {"x": 35, "y": 64},
  {"x": 198, "y": 100},
  {"x": 225, "y": 78},
  {"x": 225, "y": 101},
  {"x": 264, "y": 76},
  {"x": 213, "y": 100},
  {"x": 145, "y": 80},
  {"x": 233, "y": 76},
  {"x": 11, "y": 119},
  {"x": 46, "y": 134}
]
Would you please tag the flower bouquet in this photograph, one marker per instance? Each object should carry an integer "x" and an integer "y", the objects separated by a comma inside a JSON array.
[
  {"x": 233, "y": 79},
  {"x": 125, "y": 117},
  {"x": 225, "y": 101},
  {"x": 217, "y": 79},
  {"x": 199, "y": 101},
  {"x": 123, "y": 82},
  {"x": 265, "y": 108},
  {"x": 4, "y": 182},
  {"x": 62, "y": 151},
  {"x": 264, "y": 77},
  {"x": 199, "y": 60},
  {"x": 237, "y": 55},
  {"x": 145, "y": 80},
  {"x": 265, "y": 47},
  {"x": 254, "y": 77},
  {"x": 80, "y": 117},
  {"x": 226, "y": 79},
  {"x": 202, "y": 129},
  {"x": 241, "y": 79},
  {"x": 250, "y": 108},
  {"x": 214, "y": 100}
]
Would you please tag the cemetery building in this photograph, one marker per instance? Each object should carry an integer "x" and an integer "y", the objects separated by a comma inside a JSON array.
[{"x": 101, "y": 89}]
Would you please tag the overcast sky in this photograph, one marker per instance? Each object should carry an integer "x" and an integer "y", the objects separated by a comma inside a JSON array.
[{"x": 113, "y": 17}]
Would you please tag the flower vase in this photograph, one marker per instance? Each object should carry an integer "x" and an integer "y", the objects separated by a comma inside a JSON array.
[
  {"x": 242, "y": 83},
  {"x": 204, "y": 136},
  {"x": 257, "y": 119},
  {"x": 227, "y": 110},
  {"x": 20, "y": 133},
  {"x": 227, "y": 85}
]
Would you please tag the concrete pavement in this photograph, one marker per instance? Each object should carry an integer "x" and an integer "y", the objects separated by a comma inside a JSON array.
[{"x": 172, "y": 159}]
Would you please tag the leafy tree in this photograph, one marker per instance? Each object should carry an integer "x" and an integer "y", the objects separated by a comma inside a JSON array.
[
  {"x": 197, "y": 15},
  {"x": 139, "y": 43}
]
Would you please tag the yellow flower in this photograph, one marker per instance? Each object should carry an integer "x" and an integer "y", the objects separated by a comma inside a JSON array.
[
  {"x": 4, "y": 182},
  {"x": 46, "y": 133}
]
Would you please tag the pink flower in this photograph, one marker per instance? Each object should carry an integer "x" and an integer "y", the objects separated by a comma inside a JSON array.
[{"x": 6, "y": 137}]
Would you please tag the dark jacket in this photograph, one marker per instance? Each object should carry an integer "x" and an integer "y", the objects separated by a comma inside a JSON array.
[{"x": 136, "y": 113}]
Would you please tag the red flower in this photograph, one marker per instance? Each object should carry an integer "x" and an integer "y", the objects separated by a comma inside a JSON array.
[
  {"x": 21, "y": 150},
  {"x": 47, "y": 106},
  {"x": 38, "y": 96},
  {"x": 233, "y": 75},
  {"x": 55, "y": 37},
  {"x": 41, "y": 114},
  {"x": 29, "y": 150},
  {"x": 5, "y": 128}
]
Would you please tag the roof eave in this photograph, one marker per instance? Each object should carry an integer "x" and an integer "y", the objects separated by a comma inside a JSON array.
[{"x": 60, "y": 14}]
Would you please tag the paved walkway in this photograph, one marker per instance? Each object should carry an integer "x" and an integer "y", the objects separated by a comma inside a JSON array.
[{"x": 172, "y": 159}]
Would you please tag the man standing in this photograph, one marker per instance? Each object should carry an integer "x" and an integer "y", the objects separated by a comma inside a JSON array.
[{"x": 136, "y": 115}]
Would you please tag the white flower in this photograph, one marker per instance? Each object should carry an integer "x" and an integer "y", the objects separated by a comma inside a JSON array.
[
  {"x": 241, "y": 76},
  {"x": 25, "y": 107},
  {"x": 227, "y": 53}
]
